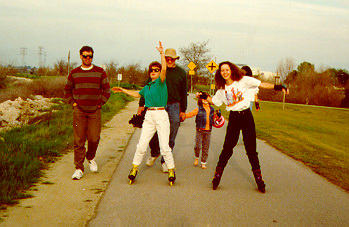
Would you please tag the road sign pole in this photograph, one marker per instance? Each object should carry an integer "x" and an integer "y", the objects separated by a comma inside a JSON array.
[
  {"x": 191, "y": 83},
  {"x": 191, "y": 66}
]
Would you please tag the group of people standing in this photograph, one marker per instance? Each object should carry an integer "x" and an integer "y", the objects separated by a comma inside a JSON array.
[{"x": 164, "y": 99}]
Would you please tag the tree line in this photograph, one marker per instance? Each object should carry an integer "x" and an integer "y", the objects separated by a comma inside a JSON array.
[{"x": 325, "y": 87}]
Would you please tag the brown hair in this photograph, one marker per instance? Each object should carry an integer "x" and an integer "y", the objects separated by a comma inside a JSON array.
[
  {"x": 87, "y": 49},
  {"x": 199, "y": 101},
  {"x": 236, "y": 74},
  {"x": 154, "y": 64}
]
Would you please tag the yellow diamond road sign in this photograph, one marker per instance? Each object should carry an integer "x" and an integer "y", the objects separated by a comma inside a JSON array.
[
  {"x": 191, "y": 65},
  {"x": 212, "y": 66}
]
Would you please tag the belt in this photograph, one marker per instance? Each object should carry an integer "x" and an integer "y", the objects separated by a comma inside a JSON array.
[
  {"x": 242, "y": 111},
  {"x": 156, "y": 108}
]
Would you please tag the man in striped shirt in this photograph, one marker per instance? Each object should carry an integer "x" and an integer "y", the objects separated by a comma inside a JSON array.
[{"x": 87, "y": 89}]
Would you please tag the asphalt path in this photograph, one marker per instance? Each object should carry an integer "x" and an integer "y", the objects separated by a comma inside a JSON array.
[{"x": 294, "y": 194}]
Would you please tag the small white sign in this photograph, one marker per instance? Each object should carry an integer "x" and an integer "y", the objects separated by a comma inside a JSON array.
[{"x": 119, "y": 76}]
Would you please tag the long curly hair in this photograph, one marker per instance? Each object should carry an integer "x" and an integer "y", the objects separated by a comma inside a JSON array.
[{"x": 236, "y": 74}]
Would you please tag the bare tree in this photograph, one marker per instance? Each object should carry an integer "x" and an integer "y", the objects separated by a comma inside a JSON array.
[
  {"x": 133, "y": 73},
  {"x": 198, "y": 53},
  {"x": 285, "y": 67},
  {"x": 111, "y": 71},
  {"x": 61, "y": 67}
]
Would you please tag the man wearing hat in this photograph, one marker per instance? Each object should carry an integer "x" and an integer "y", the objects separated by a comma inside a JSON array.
[{"x": 176, "y": 80}]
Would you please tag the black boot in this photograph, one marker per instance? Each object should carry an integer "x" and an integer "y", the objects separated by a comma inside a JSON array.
[
  {"x": 258, "y": 177},
  {"x": 217, "y": 177}
]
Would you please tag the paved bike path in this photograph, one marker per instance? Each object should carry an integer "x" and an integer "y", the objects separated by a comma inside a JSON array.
[{"x": 294, "y": 194}]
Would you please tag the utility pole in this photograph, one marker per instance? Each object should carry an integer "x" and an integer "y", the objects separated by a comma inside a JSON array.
[{"x": 68, "y": 62}]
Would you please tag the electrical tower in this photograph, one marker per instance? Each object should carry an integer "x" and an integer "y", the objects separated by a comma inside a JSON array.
[
  {"x": 23, "y": 52},
  {"x": 41, "y": 52}
]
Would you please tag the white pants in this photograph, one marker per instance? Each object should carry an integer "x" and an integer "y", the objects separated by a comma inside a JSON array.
[{"x": 155, "y": 121}]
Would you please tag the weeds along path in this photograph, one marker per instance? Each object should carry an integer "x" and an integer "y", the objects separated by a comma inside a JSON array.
[{"x": 60, "y": 201}]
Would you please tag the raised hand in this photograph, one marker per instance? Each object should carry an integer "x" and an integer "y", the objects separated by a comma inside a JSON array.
[{"x": 160, "y": 48}]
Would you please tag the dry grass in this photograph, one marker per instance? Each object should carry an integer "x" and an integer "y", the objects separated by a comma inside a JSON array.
[{"x": 47, "y": 87}]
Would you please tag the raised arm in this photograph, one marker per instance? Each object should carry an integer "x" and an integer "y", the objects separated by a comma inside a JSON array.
[
  {"x": 128, "y": 92},
  {"x": 204, "y": 95},
  {"x": 163, "y": 62}
]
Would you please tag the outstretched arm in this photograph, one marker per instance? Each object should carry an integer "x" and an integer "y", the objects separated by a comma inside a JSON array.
[
  {"x": 267, "y": 85},
  {"x": 163, "y": 62},
  {"x": 128, "y": 92}
]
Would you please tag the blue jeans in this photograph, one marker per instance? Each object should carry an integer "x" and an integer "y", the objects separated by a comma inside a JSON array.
[{"x": 173, "y": 114}]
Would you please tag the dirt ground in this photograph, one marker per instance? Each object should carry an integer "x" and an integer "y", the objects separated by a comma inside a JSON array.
[{"x": 60, "y": 201}]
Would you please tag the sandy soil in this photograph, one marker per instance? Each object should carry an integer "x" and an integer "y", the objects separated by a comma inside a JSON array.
[{"x": 60, "y": 201}]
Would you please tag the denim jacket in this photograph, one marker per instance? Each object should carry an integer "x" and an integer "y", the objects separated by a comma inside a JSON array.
[{"x": 201, "y": 117}]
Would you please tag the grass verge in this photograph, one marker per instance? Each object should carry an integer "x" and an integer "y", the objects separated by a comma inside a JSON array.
[
  {"x": 316, "y": 136},
  {"x": 26, "y": 151}
]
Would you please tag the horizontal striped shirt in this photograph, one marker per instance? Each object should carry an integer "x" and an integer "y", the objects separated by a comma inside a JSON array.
[{"x": 89, "y": 89}]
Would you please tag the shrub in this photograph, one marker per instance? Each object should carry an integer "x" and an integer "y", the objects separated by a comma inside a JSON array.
[{"x": 48, "y": 87}]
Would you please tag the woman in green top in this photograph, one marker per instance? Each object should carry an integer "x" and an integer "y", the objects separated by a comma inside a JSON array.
[{"x": 156, "y": 118}]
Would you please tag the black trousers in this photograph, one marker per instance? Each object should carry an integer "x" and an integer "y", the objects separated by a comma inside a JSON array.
[{"x": 240, "y": 120}]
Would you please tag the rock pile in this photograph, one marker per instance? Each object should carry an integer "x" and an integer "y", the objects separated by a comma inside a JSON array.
[{"x": 20, "y": 112}]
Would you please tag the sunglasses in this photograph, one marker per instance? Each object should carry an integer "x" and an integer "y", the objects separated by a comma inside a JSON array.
[
  {"x": 154, "y": 70},
  {"x": 87, "y": 56}
]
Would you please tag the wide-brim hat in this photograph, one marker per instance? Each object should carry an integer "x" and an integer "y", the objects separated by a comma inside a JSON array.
[{"x": 170, "y": 52}]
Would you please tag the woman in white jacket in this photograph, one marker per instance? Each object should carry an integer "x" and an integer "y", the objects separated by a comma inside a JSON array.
[{"x": 233, "y": 90}]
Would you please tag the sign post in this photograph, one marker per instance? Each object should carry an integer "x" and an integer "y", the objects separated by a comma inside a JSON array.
[
  {"x": 211, "y": 66},
  {"x": 191, "y": 66},
  {"x": 119, "y": 79}
]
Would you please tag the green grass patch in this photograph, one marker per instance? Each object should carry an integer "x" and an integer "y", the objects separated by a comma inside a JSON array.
[
  {"x": 26, "y": 151},
  {"x": 27, "y": 75},
  {"x": 316, "y": 136}
]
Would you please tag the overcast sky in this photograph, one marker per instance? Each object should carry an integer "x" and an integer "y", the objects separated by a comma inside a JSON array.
[{"x": 259, "y": 33}]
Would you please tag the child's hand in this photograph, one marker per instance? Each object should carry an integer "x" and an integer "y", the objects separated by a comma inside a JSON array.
[
  {"x": 182, "y": 116},
  {"x": 160, "y": 48},
  {"x": 117, "y": 89}
]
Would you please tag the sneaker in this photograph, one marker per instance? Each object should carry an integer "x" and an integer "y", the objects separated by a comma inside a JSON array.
[
  {"x": 258, "y": 177},
  {"x": 203, "y": 166},
  {"x": 164, "y": 167},
  {"x": 151, "y": 160},
  {"x": 77, "y": 174},
  {"x": 196, "y": 161},
  {"x": 93, "y": 165}
]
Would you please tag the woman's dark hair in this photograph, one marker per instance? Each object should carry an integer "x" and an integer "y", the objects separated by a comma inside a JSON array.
[
  {"x": 199, "y": 101},
  {"x": 236, "y": 74},
  {"x": 247, "y": 69},
  {"x": 86, "y": 48},
  {"x": 154, "y": 64}
]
